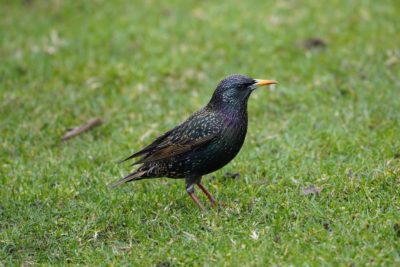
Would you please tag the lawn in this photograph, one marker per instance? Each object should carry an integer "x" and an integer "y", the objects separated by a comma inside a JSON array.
[{"x": 332, "y": 124}]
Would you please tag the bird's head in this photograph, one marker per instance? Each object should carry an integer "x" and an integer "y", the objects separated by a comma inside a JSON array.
[{"x": 235, "y": 90}]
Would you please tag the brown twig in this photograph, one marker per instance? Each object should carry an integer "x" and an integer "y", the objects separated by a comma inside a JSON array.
[{"x": 81, "y": 129}]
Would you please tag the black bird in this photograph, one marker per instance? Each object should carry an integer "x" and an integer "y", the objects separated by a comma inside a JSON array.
[{"x": 204, "y": 143}]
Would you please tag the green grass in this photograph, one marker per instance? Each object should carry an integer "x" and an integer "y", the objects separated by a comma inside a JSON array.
[{"x": 333, "y": 122}]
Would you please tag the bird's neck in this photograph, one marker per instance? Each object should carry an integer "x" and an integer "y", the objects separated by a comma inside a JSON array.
[{"x": 231, "y": 112}]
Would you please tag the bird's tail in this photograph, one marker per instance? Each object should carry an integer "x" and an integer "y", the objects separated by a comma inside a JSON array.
[{"x": 134, "y": 176}]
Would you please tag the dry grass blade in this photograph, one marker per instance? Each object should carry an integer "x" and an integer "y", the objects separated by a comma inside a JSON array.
[{"x": 81, "y": 129}]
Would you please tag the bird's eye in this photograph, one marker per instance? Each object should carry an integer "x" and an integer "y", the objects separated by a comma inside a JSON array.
[{"x": 245, "y": 86}]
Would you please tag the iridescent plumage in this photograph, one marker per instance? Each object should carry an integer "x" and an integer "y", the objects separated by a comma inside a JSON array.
[{"x": 209, "y": 139}]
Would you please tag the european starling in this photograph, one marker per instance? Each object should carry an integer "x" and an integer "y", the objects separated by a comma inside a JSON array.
[{"x": 204, "y": 143}]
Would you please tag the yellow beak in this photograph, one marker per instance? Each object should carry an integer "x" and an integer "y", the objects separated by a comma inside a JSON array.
[{"x": 264, "y": 82}]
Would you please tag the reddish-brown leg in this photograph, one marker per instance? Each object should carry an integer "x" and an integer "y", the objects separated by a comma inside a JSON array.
[
  {"x": 196, "y": 200},
  {"x": 210, "y": 197}
]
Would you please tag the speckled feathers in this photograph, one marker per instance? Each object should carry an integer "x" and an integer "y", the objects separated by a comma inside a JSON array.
[{"x": 205, "y": 142}]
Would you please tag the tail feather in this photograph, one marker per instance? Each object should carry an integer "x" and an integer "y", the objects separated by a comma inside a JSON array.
[{"x": 138, "y": 175}]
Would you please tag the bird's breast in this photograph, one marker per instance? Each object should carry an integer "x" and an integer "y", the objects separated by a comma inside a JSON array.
[{"x": 233, "y": 134}]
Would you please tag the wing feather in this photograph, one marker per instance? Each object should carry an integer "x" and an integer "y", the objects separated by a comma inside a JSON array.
[
  {"x": 198, "y": 130},
  {"x": 148, "y": 148},
  {"x": 174, "y": 149}
]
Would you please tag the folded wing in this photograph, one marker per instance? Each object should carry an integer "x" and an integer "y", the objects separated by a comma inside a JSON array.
[{"x": 200, "y": 129}]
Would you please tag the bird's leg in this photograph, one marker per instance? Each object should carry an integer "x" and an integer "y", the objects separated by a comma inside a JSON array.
[
  {"x": 205, "y": 191},
  {"x": 190, "y": 191},
  {"x": 196, "y": 200}
]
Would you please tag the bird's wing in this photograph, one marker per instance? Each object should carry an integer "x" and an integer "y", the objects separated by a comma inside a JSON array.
[
  {"x": 150, "y": 147},
  {"x": 195, "y": 132},
  {"x": 174, "y": 149}
]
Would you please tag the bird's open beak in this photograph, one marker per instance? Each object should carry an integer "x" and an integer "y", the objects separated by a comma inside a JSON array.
[{"x": 264, "y": 82}]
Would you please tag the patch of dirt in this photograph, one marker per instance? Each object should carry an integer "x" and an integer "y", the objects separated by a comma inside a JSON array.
[
  {"x": 311, "y": 190},
  {"x": 314, "y": 43},
  {"x": 232, "y": 175}
]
